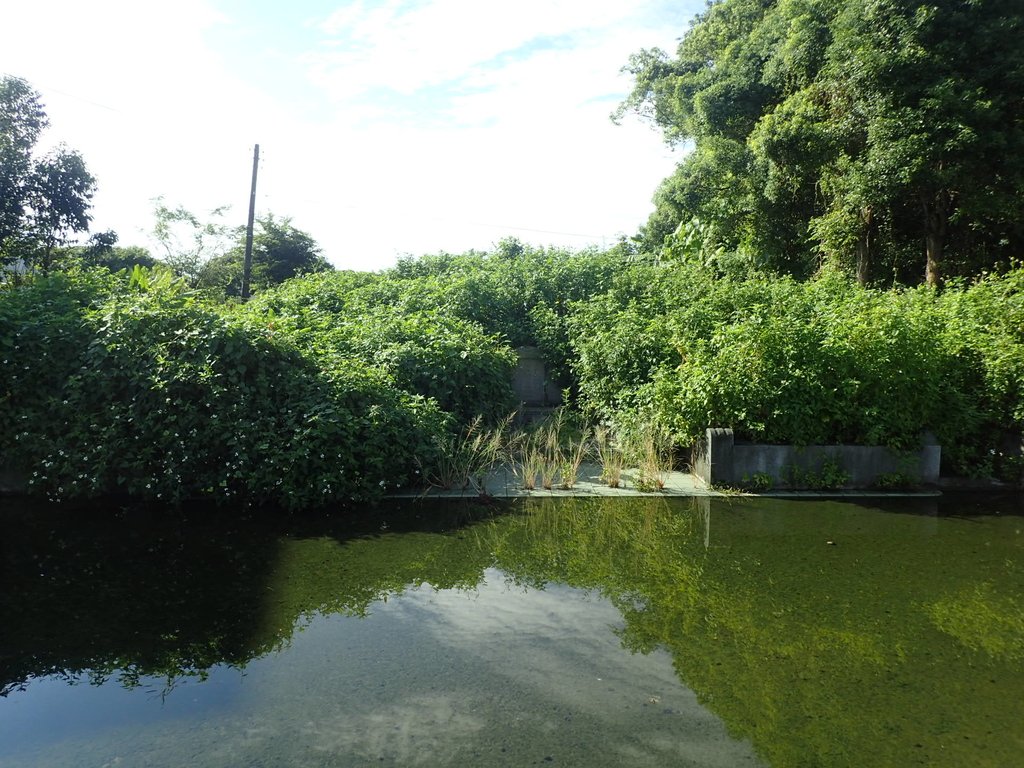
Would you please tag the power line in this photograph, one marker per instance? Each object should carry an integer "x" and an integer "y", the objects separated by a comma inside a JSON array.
[
  {"x": 38, "y": 87},
  {"x": 443, "y": 219}
]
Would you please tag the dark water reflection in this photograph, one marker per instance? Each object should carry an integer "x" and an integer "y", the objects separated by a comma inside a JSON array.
[{"x": 597, "y": 632}]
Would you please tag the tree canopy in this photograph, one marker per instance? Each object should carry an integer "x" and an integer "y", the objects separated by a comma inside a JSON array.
[
  {"x": 209, "y": 254},
  {"x": 102, "y": 250},
  {"x": 886, "y": 136},
  {"x": 42, "y": 199},
  {"x": 188, "y": 242},
  {"x": 279, "y": 251}
]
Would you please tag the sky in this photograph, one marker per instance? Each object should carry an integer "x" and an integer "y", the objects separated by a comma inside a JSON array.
[{"x": 399, "y": 127}]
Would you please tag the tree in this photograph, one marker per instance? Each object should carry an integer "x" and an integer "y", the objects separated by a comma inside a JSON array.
[
  {"x": 189, "y": 243},
  {"x": 940, "y": 88},
  {"x": 42, "y": 200},
  {"x": 102, "y": 250},
  {"x": 870, "y": 133},
  {"x": 279, "y": 251},
  {"x": 731, "y": 70},
  {"x": 22, "y": 120}
]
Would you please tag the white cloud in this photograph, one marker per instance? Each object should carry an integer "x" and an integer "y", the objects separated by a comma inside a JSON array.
[
  {"x": 515, "y": 136},
  {"x": 406, "y": 46},
  {"x": 134, "y": 87},
  {"x": 385, "y": 127}
]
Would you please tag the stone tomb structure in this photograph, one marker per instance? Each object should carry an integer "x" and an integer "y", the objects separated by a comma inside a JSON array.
[{"x": 537, "y": 392}]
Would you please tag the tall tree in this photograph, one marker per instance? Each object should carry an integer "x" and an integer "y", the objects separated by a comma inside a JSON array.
[
  {"x": 188, "y": 242},
  {"x": 22, "y": 120},
  {"x": 940, "y": 91},
  {"x": 42, "y": 200},
  {"x": 858, "y": 130},
  {"x": 279, "y": 251}
]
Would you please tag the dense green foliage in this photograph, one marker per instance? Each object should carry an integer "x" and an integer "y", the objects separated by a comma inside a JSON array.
[
  {"x": 332, "y": 386},
  {"x": 444, "y": 325},
  {"x": 433, "y": 353},
  {"x": 279, "y": 251},
  {"x": 102, "y": 250},
  {"x": 521, "y": 293},
  {"x": 337, "y": 385},
  {"x": 808, "y": 363},
  {"x": 518, "y": 295},
  {"x": 880, "y": 135},
  {"x": 43, "y": 199},
  {"x": 146, "y": 391}
]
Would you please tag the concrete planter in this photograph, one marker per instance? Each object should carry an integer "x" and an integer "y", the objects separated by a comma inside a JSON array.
[{"x": 721, "y": 461}]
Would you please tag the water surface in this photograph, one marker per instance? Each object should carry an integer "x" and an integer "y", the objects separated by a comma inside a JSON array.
[{"x": 578, "y": 632}]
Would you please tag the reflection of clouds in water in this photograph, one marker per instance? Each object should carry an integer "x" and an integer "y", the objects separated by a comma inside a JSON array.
[
  {"x": 421, "y": 730},
  {"x": 555, "y": 636},
  {"x": 497, "y": 676},
  {"x": 557, "y": 667},
  {"x": 498, "y": 606}
]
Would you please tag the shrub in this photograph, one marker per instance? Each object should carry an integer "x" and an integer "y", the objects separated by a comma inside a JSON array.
[
  {"x": 984, "y": 334},
  {"x": 516, "y": 295},
  {"x": 425, "y": 352},
  {"x": 822, "y": 365},
  {"x": 166, "y": 398},
  {"x": 810, "y": 363}
]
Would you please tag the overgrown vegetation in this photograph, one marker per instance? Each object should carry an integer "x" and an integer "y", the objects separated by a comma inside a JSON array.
[
  {"x": 551, "y": 452},
  {"x": 463, "y": 460},
  {"x": 818, "y": 362},
  {"x": 142, "y": 389},
  {"x": 884, "y": 138},
  {"x": 337, "y": 386},
  {"x": 836, "y": 146}
]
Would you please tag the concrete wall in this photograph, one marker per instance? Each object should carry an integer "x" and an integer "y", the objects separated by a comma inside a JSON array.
[
  {"x": 530, "y": 380},
  {"x": 723, "y": 462}
]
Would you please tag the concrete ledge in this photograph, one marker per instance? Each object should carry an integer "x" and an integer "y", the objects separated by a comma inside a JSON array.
[
  {"x": 13, "y": 482},
  {"x": 503, "y": 483},
  {"x": 724, "y": 463}
]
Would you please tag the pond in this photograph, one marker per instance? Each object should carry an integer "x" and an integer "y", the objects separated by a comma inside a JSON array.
[{"x": 600, "y": 632}]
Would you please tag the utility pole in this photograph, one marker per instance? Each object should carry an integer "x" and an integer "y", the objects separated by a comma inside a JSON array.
[{"x": 247, "y": 268}]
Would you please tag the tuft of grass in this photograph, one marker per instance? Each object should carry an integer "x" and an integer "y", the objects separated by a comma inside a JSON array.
[
  {"x": 464, "y": 459},
  {"x": 549, "y": 464},
  {"x": 612, "y": 460},
  {"x": 529, "y": 461},
  {"x": 552, "y": 453},
  {"x": 650, "y": 448},
  {"x": 571, "y": 456}
]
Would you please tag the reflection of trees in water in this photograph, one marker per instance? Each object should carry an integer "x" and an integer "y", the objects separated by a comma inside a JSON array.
[
  {"x": 123, "y": 597},
  {"x": 845, "y": 653},
  {"x": 96, "y": 596},
  {"x": 818, "y": 652},
  {"x": 99, "y": 596}
]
